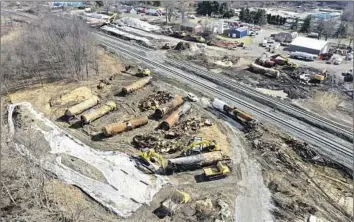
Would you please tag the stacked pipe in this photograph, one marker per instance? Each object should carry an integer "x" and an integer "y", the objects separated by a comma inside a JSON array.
[
  {"x": 175, "y": 116},
  {"x": 168, "y": 107},
  {"x": 94, "y": 114},
  {"x": 116, "y": 128},
  {"x": 263, "y": 70},
  {"x": 81, "y": 107},
  {"x": 136, "y": 85},
  {"x": 196, "y": 160}
]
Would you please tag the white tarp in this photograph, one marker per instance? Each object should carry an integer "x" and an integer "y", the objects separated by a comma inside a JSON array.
[
  {"x": 137, "y": 23},
  {"x": 127, "y": 188}
]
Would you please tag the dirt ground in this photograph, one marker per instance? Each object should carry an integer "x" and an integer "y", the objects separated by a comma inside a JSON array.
[
  {"x": 299, "y": 188},
  {"x": 68, "y": 201}
]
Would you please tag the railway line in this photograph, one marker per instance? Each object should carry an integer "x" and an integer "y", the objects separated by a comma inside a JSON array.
[
  {"x": 306, "y": 116},
  {"x": 319, "y": 141}
]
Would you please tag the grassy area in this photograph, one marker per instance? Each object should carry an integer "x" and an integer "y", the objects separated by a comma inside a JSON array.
[{"x": 248, "y": 40}]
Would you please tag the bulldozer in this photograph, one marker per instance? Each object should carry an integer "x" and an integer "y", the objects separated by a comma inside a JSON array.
[
  {"x": 197, "y": 145},
  {"x": 217, "y": 172}
]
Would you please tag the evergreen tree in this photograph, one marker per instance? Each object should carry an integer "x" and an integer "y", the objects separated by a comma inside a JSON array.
[
  {"x": 223, "y": 8},
  {"x": 262, "y": 17},
  {"x": 242, "y": 14},
  {"x": 277, "y": 20},
  {"x": 268, "y": 17},
  {"x": 306, "y": 26},
  {"x": 247, "y": 15}
]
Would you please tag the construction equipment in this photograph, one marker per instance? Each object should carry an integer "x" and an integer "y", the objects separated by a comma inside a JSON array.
[
  {"x": 152, "y": 161},
  {"x": 217, "y": 172},
  {"x": 171, "y": 204},
  {"x": 321, "y": 76},
  {"x": 197, "y": 146},
  {"x": 283, "y": 61},
  {"x": 110, "y": 20},
  {"x": 143, "y": 72}
]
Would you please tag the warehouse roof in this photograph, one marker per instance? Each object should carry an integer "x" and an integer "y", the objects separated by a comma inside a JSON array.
[
  {"x": 309, "y": 43},
  {"x": 241, "y": 29}
]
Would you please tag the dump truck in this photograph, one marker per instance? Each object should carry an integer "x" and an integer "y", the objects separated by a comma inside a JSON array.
[
  {"x": 216, "y": 172},
  {"x": 197, "y": 145}
]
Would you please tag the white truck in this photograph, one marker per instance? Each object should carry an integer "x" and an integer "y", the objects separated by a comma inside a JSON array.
[{"x": 303, "y": 55}]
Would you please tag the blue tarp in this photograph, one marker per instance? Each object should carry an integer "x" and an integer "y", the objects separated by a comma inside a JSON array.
[
  {"x": 325, "y": 15},
  {"x": 72, "y": 4}
]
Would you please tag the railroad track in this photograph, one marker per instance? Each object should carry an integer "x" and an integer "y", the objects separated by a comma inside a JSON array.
[
  {"x": 313, "y": 138},
  {"x": 292, "y": 110},
  {"x": 306, "y": 116}
]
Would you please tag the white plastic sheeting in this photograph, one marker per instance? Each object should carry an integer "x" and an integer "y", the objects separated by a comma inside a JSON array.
[
  {"x": 136, "y": 23},
  {"x": 127, "y": 188}
]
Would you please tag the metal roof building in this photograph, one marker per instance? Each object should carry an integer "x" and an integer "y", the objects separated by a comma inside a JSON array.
[{"x": 309, "y": 45}]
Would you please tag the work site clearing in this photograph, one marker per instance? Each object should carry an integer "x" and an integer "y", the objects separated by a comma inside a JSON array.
[{"x": 132, "y": 144}]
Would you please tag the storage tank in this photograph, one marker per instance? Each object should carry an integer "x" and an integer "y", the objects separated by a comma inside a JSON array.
[
  {"x": 136, "y": 85},
  {"x": 116, "y": 128},
  {"x": 168, "y": 107},
  {"x": 263, "y": 70},
  {"x": 175, "y": 116},
  {"x": 98, "y": 112},
  {"x": 81, "y": 107}
]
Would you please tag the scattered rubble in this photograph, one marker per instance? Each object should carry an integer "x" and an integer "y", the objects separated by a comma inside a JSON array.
[{"x": 154, "y": 101}]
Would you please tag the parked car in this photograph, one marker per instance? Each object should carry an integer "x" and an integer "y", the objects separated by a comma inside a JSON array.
[{"x": 192, "y": 97}]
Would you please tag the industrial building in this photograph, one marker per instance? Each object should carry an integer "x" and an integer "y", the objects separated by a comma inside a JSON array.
[
  {"x": 191, "y": 27},
  {"x": 238, "y": 33},
  {"x": 309, "y": 45}
]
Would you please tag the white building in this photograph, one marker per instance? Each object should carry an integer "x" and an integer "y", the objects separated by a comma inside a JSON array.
[{"x": 309, "y": 45}]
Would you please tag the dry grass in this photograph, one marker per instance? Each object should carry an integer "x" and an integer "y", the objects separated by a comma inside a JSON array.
[
  {"x": 214, "y": 133},
  {"x": 108, "y": 65},
  {"x": 327, "y": 100}
]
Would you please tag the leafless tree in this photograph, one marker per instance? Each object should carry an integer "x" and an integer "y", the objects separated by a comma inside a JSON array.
[{"x": 50, "y": 48}]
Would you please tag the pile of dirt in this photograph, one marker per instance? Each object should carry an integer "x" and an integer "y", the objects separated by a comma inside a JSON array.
[
  {"x": 71, "y": 97},
  {"x": 155, "y": 100}
]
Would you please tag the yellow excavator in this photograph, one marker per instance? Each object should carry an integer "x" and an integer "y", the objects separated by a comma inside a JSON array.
[
  {"x": 110, "y": 20},
  {"x": 217, "y": 172},
  {"x": 152, "y": 161},
  {"x": 197, "y": 145},
  {"x": 282, "y": 60}
]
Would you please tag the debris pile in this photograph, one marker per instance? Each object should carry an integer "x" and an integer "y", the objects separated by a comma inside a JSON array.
[
  {"x": 189, "y": 126},
  {"x": 182, "y": 46},
  {"x": 171, "y": 141},
  {"x": 155, "y": 100},
  {"x": 156, "y": 142}
]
